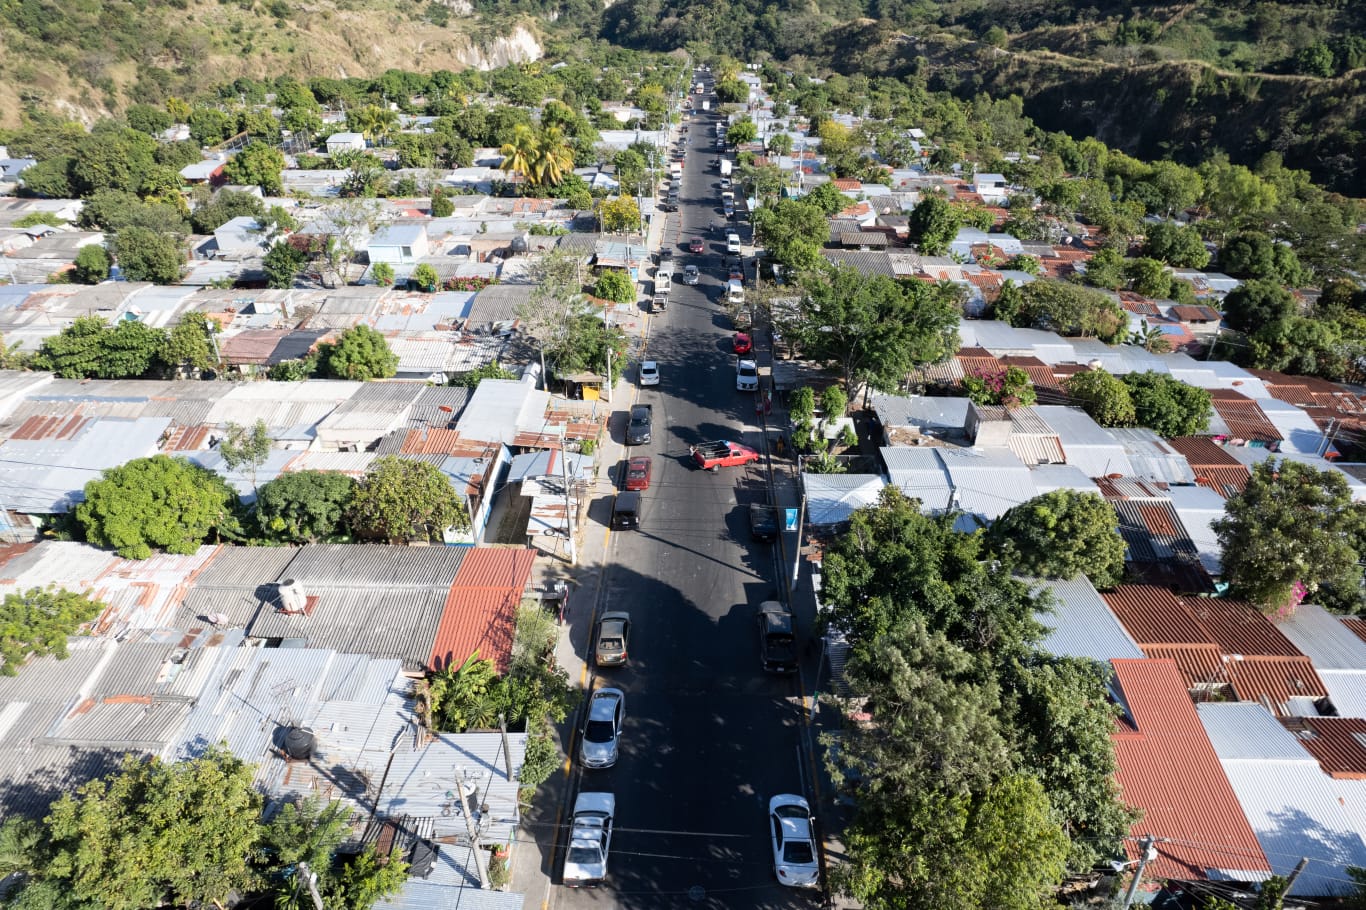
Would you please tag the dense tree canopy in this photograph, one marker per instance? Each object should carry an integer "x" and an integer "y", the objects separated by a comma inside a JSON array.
[
  {"x": 158, "y": 502},
  {"x": 1062, "y": 534},
  {"x": 91, "y": 348},
  {"x": 1103, "y": 396},
  {"x": 873, "y": 328},
  {"x": 1257, "y": 303},
  {"x": 146, "y": 255},
  {"x": 933, "y": 224},
  {"x": 304, "y": 506},
  {"x": 400, "y": 498},
  {"x": 1167, "y": 405},
  {"x": 1067, "y": 309},
  {"x": 37, "y": 622},
  {"x": 1293, "y": 532},
  {"x": 360, "y": 352}
]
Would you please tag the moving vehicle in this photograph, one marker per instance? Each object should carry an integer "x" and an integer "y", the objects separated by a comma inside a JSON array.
[
  {"x": 599, "y": 746},
  {"x": 666, "y": 255},
  {"x": 763, "y": 522},
  {"x": 638, "y": 430},
  {"x": 691, "y": 275},
  {"x": 777, "y": 638},
  {"x": 638, "y": 471},
  {"x": 590, "y": 840},
  {"x": 614, "y": 635},
  {"x": 649, "y": 372},
  {"x": 735, "y": 294},
  {"x": 697, "y": 245},
  {"x": 742, "y": 343},
  {"x": 626, "y": 511},
  {"x": 746, "y": 376},
  {"x": 743, "y": 318},
  {"x": 660, "y": 302},
  {"x": 792, "y": 831},
  {"x": 732, "y": 242},
  {"x": 712, "y": 456}
]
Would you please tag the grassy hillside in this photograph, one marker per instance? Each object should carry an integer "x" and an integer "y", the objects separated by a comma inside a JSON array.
[{"x": 91, "y": 57}]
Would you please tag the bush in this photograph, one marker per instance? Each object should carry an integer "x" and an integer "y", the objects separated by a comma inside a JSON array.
[
  {"x": 383, "y": 273},
  {"x": 615, "y": 285}
]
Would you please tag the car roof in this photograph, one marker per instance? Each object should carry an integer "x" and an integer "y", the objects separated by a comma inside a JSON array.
[
  {"x": 638, "y": 461},
  {"x": 595, "y": 802},
  {"x": 628, "y": 499},
  {"x": 616, "y": 616},
  {"x": 603, "y": 703},
  {"x": 773, "y": 606}
]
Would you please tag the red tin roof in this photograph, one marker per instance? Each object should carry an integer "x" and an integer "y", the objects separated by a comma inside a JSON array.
[
  {"x": 1339, "y": 744},
  {"x": 1168, "y": 768},
  {"x": 481, "y": 608},
  {"x": 1273, "y": 681}
]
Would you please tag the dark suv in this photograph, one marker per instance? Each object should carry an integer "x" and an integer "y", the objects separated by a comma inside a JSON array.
[
  {"x": 638, "y": 430},
  {"x": 777, "y": 638}
]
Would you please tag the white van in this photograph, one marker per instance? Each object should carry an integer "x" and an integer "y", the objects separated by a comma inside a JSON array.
[
  {"x": 735, "y": 292},
  {"x": 676, "y": 171},
  {"x": 732, "y": 243}
]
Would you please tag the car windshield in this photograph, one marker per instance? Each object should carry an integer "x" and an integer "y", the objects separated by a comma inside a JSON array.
[
  {"x": 598, "y": 731},
  {"x": 585, "y": 856},
  {"x": 610, "y": 644},
  {"x": 747, "y": 371},
  {"x": 797, "y": 852}
]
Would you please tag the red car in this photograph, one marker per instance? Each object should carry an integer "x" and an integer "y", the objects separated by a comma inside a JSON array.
[
  {"x": 742, "y": 343},
  {"x": 638, "y": 473},
  {"x": 696, "y": 245}
]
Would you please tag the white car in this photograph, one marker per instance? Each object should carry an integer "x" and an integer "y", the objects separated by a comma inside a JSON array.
[
  {"x": 649, "y": 373},
  {"x": 795, "y": 860},
  {"x": 691, "y": 275},
  {"x": 590, "y": 839},
  {"x": 732, "y": 243},
  {"x": 606, "y": 710},
  {"x": 746, "y": 376}
]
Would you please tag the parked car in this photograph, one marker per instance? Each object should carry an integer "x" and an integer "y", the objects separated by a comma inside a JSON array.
[
  {"x": 638, "y": 430},
  {"x": 649, "y": 372},
  {"x": 666, "y": 255},
  {"x": 763, "y": 522},
  {"x": 777, "y": 638},
  {"x": 614, "y": 637},
  {"x": 601, "y": 733},
  {"x": 590, "y": 840},
  {"x": 638, "y": 473},
  {"x": 697, "y": 245},
  {"x": 742, "y": 343},
  {"x": 732, "y": 241},
  {"x": 626, "y": 511},
  {"x": 746, "y": 376},
  {"x": 792, "y": 832},
  {"x": 691, "y": 275}
]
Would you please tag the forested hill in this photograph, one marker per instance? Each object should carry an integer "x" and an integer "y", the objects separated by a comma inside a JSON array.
[{"x": 1154, "y": 79}]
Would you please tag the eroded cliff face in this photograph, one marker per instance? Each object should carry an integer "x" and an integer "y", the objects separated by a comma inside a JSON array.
[{"x": 518, "y": 46}]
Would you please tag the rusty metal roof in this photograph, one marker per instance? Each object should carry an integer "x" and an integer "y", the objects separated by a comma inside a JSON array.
[
  {"x": 1274, "y": 681},
  {"x": 1244, "y": 417},
  {"x": 1339, "y": 744}
]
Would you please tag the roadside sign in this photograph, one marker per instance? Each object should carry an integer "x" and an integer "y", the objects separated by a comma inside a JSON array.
[{"x": 789, "y": 519}]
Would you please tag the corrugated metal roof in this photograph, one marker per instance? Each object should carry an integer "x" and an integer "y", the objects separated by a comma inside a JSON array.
[
  {"x": 1154, "y": 615},
  {"x": 1239, "y": 628},
  {"x": 920, "y": 474},
  {"x": 420, "y": 783},
  {"x": 1286, "y": 799},
  {"x": 924, "y": 411},
  {"x": 1327, "y": 642},
  {"x": 1198, "y": 508},
  {"x": 321, "y": 568},
  {"x": 987, "y": 482},
  {"x": 1081, "y": 625},
  {"x": 1168, "y": 768},
  {"x": 1201, "y": 665},
  {"x": 1347, "y": 691},
  {"x": 1151, "y": 457},
  {"x": 1244, "y": 417},
  {"x": 384, "y": 622},
  {"x": 1050, "y": 477},
  {"x": 1284, "y": 685},
  {"x": 496, "y": 567},
  {"x": 49, "y": 476},
  {"x": 1085, "y": 443},
  {"x": 476, "y": 619},
  {"x": 1337, "y": 743},
  {"x": 832, "y": 498}
]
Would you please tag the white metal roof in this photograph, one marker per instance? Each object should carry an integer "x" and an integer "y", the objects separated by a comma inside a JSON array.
[
  {"x": 1198, "y": 508},
  {"x": 1323, "y": 637},
  {"x": 1347, "y": 689},
  {"x": 1050, "y": 477},
  {"x": 832, "y": 498},
  {"x": 1286, "y": 797},
  {"x": 987, "y": 482},
  {"x": 919, "y": 473},
  {"x": 1086, "y": 443},
  {"x": 1081, "y": 624}
]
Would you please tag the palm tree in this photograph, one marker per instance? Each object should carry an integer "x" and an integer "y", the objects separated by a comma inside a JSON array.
[
  {"x": 374, "y": 122},
  {"x": 520, "y": 154},
  {"x": 1150, "y": 339},
  {"x": 554, "y": 157}
]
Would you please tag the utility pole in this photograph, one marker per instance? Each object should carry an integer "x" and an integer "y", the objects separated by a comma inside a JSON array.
[
  {"x": 310, "y": 878},
  {"x": 568, "y": 502},
  {"x": 797, "y": 550},
  {"x": 1294, "y": 874},
  {"x": 467, "y": 810},
  {"x": 1148, "y": 854}
]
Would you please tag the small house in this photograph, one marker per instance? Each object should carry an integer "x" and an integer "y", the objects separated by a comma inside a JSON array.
[
  {"x": 345, "y": 142},
  {"x": 399, "y": 244}
]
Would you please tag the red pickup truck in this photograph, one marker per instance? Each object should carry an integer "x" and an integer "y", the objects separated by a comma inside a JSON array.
[{"x": 712, "y": 456}]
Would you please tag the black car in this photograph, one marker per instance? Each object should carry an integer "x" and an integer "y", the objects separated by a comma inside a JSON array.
[
  {"x": 667, "y": 207},
  {"x": 763, "y": 522},
  {"x": 777, "y": 638},
  {"x": 638, "y": 430},
  {"x": 666, "y": 255}
]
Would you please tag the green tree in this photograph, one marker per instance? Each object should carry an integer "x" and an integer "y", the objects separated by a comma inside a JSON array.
[
  {"x": 615, "y": 285},
  {"x": 146, "y": 255},
  {"x": 1305, "y": 346},
  {"x": 282, "y": 264},
  {"x": 189, "y": 345},
  {"x": 425, "y": 277},
  {"x": 1293, "y": 532},
  {"x": 442, "y": 207},
  {"x": 245, "y": 449},
  {"x": 1010, "y": 387},
  {"x": 933, "y": 224},
  {"x": 304, "y": 506},
  {"x": 1062, "y": 719},
  {"x": 619, "y": 215},
  {"x": 1168, "y": 406},
  {"x": 37, "y": 622},
  {"x": 91, "y": 348},
  {"x": 742, "y": 132},
  {"x": 1070, "y": 309},
  {"x": 1257, "y": 303},
  {"x": 163, "y": 502},
  {"x": 258, "y": 164},
  {"x": 148, "y": 119},
  {"x": 490, "y": 370},
  {"x": 875, "y": 329},
  {"x": 225, "y": 206},
  {"x": 793, "y": 231},
  {"x": 1062, "y": 534},
  {"x": 1175, "y": 245},
  {"x": 360, "y": 353},
  {"x": 382, "y": 273},
  {"x": 92, "y": 264},
  {"x": 1253, "y": 254},
  {"x": 1103, "y": 396},
  {"x": 557, "y": 295},
  {"x": 399, "y": 499},
  {"x": 156, "y": 833}
]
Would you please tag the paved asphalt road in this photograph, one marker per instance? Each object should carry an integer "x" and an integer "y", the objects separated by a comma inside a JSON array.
[{"x": 708, "y": 737}]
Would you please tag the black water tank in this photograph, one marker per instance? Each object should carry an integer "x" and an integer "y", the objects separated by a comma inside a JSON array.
[{"x": 299, "y": 743}]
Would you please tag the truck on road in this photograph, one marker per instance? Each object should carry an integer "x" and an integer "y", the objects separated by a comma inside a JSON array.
[
  {"x": 713, "y": 456},
  {"x": 726, "y": 166}
]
